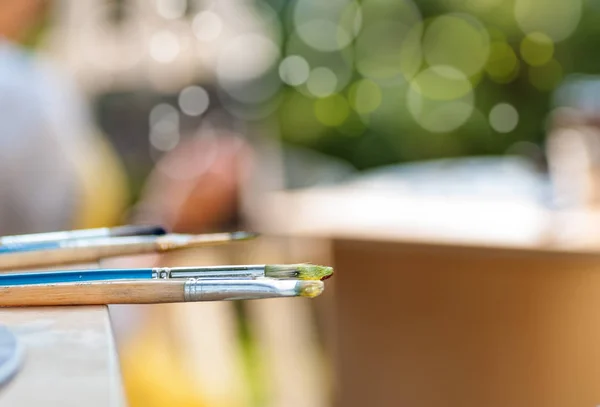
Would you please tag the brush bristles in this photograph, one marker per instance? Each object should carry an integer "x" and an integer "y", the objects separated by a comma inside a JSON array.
[
  {"x": 243, "y": 235},
  {"x": 298, "y": 271},
  {"x": 309, "y": 289}
]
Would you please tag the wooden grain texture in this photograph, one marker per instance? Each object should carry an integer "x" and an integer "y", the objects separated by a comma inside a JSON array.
[
  {"x": 69, "y": 358},
  {"x": 92, "y": 293}
]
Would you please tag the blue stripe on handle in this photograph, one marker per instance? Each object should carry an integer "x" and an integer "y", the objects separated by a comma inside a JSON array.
[
  {"x": 28, "y": 247},
  {"x": 53, "y": 277}
]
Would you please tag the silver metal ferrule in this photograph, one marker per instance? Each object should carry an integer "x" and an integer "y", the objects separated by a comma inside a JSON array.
[
  {"x": 219, "y": 272},
  {"x": 210, "y": 272},
  {"x": 225, "y": 290}
]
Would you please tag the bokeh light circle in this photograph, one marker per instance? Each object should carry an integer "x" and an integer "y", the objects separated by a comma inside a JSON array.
[
  {"x": 504, "y": 118},
  {"x": 193, "y": 100},
  {"x": 546, "y": 77},
  {"x": 162, "y": 112},
  {"x": 245, "y": 68},
  {"x": 333, "y": 110},
  {"x": 246, "y": 57},
  {"x": 294, "y": 70},
  {"x": 503, "y": 65},
  {"x": 322, "y": 82},
  {"x": 558, "y": 19},
  {"x": 163, "y": 139},
  {"x": 440, "y": 98},
  {"x": 164, "y": 46},
  {"x": 207, "y": 26},
  {"x": 365, "y": 96},
  {"x": 537, "y": 49},
  {"x": 341, "y": 63},
  {"x": 327, "y": 25},
  {"x": 458, "y": 40},
  {"x": 164, "y": 127}
]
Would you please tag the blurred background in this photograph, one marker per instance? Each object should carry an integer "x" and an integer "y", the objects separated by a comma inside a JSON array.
[{"x": 194, "y": 113}]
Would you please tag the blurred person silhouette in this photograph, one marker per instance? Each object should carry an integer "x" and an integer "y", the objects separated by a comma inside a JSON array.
[{"x": 56, "y": 171}]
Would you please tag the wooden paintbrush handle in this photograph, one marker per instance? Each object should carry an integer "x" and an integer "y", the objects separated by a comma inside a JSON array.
[
  {"x": 93, "y": 293},
  {"x": 68, "y": 255}
]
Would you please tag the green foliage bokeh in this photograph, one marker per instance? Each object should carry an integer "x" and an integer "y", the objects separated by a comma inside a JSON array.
[{"x": 390, "y": 135}]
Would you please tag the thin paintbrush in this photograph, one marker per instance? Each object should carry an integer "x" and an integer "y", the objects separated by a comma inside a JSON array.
[
  {"x": 172, "y": 239},
  {"x": 127, "y": 230},
  {"x": 152, "y": 292},
  {"x": 29, "y": 255},
  {"x": 275, "y": 271}
]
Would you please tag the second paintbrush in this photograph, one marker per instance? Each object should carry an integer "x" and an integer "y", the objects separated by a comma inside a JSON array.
[
  {"x": 153, "y": 292},
  {"x": 30, "y": 255},
  {"x": 303, "y": 271}
]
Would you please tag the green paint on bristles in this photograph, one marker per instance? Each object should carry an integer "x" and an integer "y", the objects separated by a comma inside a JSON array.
[
  {"x": 302, "y": 271},
  {"x": 310, "y": 289}
]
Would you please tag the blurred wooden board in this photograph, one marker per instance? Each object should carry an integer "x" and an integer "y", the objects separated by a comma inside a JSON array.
[
  {"x": 429, "y": 325},
  {"x": 69, "y": 358},
  {"x": 455, "y": 301},
  {"x": 453, "y": 220}
]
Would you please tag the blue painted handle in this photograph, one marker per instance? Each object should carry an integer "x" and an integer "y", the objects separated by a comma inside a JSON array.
[{"x": 70, "y": 276}]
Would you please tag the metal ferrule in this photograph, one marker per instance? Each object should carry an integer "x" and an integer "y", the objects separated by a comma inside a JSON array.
[
  {"x": 211, "y": 272},
  {"x": 224, "y": 290},
  {"x": 161, "y": 272}
]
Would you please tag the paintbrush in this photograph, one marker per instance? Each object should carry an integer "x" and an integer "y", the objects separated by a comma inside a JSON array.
[
  {"x": 275, "y": 271},
  {"x": 152, "y": 292},
  {"x": 127, "y": 230},
  {"x": 28, "y": 255}
]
